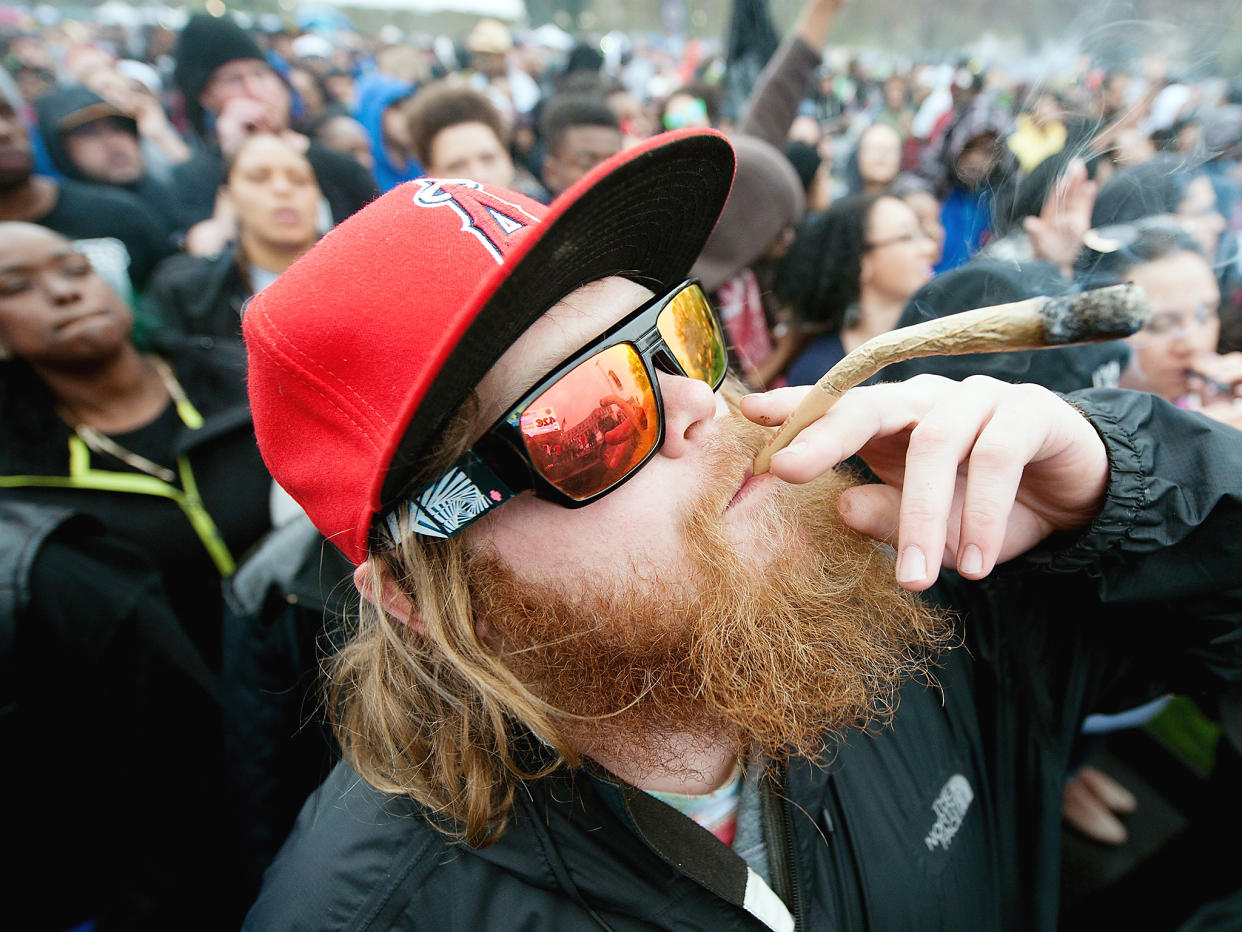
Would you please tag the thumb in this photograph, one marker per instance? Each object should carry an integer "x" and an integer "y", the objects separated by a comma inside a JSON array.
[{"x": 873, "y": 510}]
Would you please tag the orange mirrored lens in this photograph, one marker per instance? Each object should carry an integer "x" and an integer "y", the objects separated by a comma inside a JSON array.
[
  {"x": 689, "y": 328},
  {"x": 595, "y": 424}
]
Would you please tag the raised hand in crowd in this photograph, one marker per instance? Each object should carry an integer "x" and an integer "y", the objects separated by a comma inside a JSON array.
[
  {"x": 1056, "y": 234},
  {"x": 243, "y": 117}
]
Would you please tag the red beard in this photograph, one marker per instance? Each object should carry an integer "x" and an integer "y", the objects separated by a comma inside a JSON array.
[{"x": 773, "y": 662}]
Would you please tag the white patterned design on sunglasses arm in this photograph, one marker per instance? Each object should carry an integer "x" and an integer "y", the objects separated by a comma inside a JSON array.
[{"x": 452, "y": 502}]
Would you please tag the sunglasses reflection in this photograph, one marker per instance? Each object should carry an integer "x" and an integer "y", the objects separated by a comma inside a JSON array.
[
  {"x": 689, "y": 328},
  {"x": 594, "y": 425}
]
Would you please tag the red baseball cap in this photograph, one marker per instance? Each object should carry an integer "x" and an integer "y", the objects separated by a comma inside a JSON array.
[{"x": 365, "y": 347}]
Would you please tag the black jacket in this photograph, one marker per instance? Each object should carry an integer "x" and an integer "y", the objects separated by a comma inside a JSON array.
[
  {"x": 116, "y": 229},
  {"x": 198, "y": 296},
  {"x": 948, "y": 819},
  {"x": 283, "y": 608},
  {"x": 114, "y": 716}
]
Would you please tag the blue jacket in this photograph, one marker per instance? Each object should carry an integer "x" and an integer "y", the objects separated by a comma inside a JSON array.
[{"x": 376, "y": 92}]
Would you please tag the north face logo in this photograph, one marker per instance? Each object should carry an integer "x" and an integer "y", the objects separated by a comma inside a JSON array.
[
  {"x": 950, "y": 808},
  {"x": 493, "y": 221}
]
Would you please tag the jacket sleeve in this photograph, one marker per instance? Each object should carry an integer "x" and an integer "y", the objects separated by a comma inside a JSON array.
[
  {"x": 1171, "y": 524},
  {"x": 773, "y": 104}
]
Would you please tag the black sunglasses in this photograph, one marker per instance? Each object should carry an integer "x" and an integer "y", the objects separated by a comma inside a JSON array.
[{"x": 584, "y": 428}]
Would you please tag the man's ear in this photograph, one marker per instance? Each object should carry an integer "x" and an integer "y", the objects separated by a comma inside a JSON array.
[{"x": 391, "y": 599}]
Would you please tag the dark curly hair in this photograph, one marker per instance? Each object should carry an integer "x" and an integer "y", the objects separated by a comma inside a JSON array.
[
  {"x": 819, "y": 278},
  {"x": 438, "y": 106}
]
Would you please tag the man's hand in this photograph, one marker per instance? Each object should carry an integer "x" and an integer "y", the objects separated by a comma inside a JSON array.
[
  {"x": 1056, "y": 234},
  {"x": 974, "y": 472},
  {"x": 1216, "y": 377},
  {"x": 242, "y": 118}
]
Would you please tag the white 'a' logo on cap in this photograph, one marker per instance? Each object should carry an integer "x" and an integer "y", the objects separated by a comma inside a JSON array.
[{"x": 492, "y": 220}]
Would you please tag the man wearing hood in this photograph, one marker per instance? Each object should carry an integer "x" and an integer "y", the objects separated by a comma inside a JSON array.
[
  {"x": 122, "y": 235},
  {"x": 968, "y": 167},
  {"x": 89, "y": 139}
]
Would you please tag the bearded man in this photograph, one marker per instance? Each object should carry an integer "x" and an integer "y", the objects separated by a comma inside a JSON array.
[{"x": 606, "y": 677}]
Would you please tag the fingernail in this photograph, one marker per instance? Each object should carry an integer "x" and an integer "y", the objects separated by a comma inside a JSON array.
[
  {"x": 912, "y": 567},
  {"x": 970, "y": 560},
  {"x": 751, "y": 395},
  {"x": 793, "y": 449}
]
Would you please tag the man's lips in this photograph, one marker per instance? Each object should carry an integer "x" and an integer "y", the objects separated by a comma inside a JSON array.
[{"x": 749, "y": 485}]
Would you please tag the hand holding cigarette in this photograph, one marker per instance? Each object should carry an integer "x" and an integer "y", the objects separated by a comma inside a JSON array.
[
  {"x": 971, "y": 473},
  {"x": 1102, "y": 314}
]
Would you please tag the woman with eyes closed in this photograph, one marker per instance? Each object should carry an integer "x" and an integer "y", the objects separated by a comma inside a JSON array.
[
  {"x": 157, "y": 448},
  {"x": 270, "y": 189},
  {"x": 849, "y": 275}
]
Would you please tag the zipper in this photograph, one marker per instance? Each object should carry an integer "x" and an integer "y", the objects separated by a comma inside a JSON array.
[{"x": 778, "y": 838}]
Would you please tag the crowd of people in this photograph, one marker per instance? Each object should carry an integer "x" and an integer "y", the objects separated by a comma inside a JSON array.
[{"x": 167, "y": 607}]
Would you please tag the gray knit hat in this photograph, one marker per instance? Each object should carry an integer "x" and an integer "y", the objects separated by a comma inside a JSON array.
[{"x": 766, "y": 198}]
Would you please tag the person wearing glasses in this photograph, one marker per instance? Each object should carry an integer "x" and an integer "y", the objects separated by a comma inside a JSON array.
[
  {"x": 1174, "y": 355},
  {"x": 849, "y": 274},
  {"x": 672, "y": 693}
]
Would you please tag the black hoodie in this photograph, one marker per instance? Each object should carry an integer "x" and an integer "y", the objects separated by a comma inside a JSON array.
[{"x": 71, "y": 106}]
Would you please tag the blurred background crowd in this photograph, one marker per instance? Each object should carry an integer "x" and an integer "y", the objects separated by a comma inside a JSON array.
[{"x": 164, "y": 607}]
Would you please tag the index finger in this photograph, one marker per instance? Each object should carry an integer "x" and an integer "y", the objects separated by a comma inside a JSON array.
[
  {"x": 861, "y": 415},
  {"x": 773, "y": 407}
]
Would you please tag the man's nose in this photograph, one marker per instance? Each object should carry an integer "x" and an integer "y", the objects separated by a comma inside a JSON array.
[{"x": 690, "y": 405}]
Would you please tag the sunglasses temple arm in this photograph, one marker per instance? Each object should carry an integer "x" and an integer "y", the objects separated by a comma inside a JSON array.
[{"x": 461, "y": 495}]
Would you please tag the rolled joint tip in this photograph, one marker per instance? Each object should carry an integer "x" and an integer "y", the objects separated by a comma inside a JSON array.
[{"x": 1100, "y": 314}]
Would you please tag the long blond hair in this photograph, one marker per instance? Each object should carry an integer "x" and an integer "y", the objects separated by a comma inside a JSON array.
[{"x": 435, "y": 714}]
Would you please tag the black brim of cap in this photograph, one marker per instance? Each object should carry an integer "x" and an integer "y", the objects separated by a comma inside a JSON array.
[{"x": 646, "y": 218}]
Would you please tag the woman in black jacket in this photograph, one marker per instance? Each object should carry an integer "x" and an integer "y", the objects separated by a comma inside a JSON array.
[
  {"x": 849, "y": 274},
  {"x": 271, "y": 189},
  {"x": 159, "y": 448}
]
